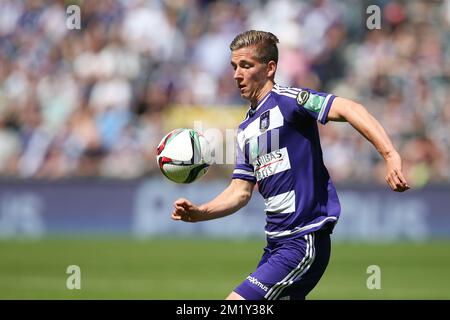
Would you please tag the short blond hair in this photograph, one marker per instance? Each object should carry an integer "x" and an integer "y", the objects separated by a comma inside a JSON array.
[{"x": 264, "y": 42}]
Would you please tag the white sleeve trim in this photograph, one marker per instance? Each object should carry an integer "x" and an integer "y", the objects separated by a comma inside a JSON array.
[
  {"x": 324, "y": 106},
  {"x": 239, "y": 171}
]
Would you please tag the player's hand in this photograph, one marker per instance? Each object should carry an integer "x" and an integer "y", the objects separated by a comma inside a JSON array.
[
  {"x": 186, "y": 211},
  {"x": 394, "y": 177}
]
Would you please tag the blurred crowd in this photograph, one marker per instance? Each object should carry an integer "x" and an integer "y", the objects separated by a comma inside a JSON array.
[{"x": 89, "y": 101}]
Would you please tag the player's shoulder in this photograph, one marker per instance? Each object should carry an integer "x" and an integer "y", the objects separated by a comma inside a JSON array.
[
  {"x": 283, "y": 92},
  {"x": 289, "y": 95}
]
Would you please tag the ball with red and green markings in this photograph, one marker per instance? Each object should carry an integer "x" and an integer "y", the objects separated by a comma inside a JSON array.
[{"x": 183, "y": 155}]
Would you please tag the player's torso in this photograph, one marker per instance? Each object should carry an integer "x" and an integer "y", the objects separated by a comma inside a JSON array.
[{"x": 281, "y": 149}]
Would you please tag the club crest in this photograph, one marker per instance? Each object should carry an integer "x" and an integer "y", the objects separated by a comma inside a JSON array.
[{"x": 264, "y": 121}]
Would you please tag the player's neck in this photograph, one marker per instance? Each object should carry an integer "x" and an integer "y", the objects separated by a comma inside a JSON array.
[{"x": 262, "y": 93}]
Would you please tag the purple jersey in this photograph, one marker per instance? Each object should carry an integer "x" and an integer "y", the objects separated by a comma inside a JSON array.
[{"x": 278, "y": 147}]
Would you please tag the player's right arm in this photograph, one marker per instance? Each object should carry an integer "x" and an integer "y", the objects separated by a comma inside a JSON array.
[
  {"x": 234, "y": 197},
  {"x": 357, "y": 115}
]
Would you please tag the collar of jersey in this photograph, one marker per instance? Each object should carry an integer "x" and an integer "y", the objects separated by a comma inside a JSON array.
[{"x": 250, "y": 112}]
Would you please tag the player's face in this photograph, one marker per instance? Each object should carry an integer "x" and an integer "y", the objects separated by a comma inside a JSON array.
[{"x": 250, "y": 75}]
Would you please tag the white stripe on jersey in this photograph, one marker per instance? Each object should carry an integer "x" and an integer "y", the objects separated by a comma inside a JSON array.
[
  {"x": 285, "y": 93},
  {"x": 289, "y": 91},
  {"x": 286, "y": 89},
  {"x": 281, "y": 203},
  {"x": 278, "y": 234}
]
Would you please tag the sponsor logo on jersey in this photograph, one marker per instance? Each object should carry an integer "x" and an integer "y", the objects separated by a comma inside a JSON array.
[
  {"x": 256, "y": 282},
  {"x": 271, "y": 163}
]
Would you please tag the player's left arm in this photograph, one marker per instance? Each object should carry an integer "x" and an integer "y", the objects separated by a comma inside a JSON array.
[{"x": 357, "y": 115}]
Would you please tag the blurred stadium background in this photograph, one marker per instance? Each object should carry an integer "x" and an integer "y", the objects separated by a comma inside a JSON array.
[{"x": 81, "y": 113}]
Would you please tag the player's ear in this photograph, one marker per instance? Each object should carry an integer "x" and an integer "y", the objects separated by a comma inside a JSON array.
[{"x": 271, "y": 69}]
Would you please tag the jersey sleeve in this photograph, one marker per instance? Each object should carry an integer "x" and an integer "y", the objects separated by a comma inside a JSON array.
[
  {"x": 243, "y": 169},
  {"x": 314, "y": 104}
]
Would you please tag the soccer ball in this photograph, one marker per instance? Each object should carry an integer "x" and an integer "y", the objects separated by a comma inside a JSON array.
[{"x": 183, "y": 155}]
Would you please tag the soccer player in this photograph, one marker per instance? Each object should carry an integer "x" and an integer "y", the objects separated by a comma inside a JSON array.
[{"x": 278, "y": 148}]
